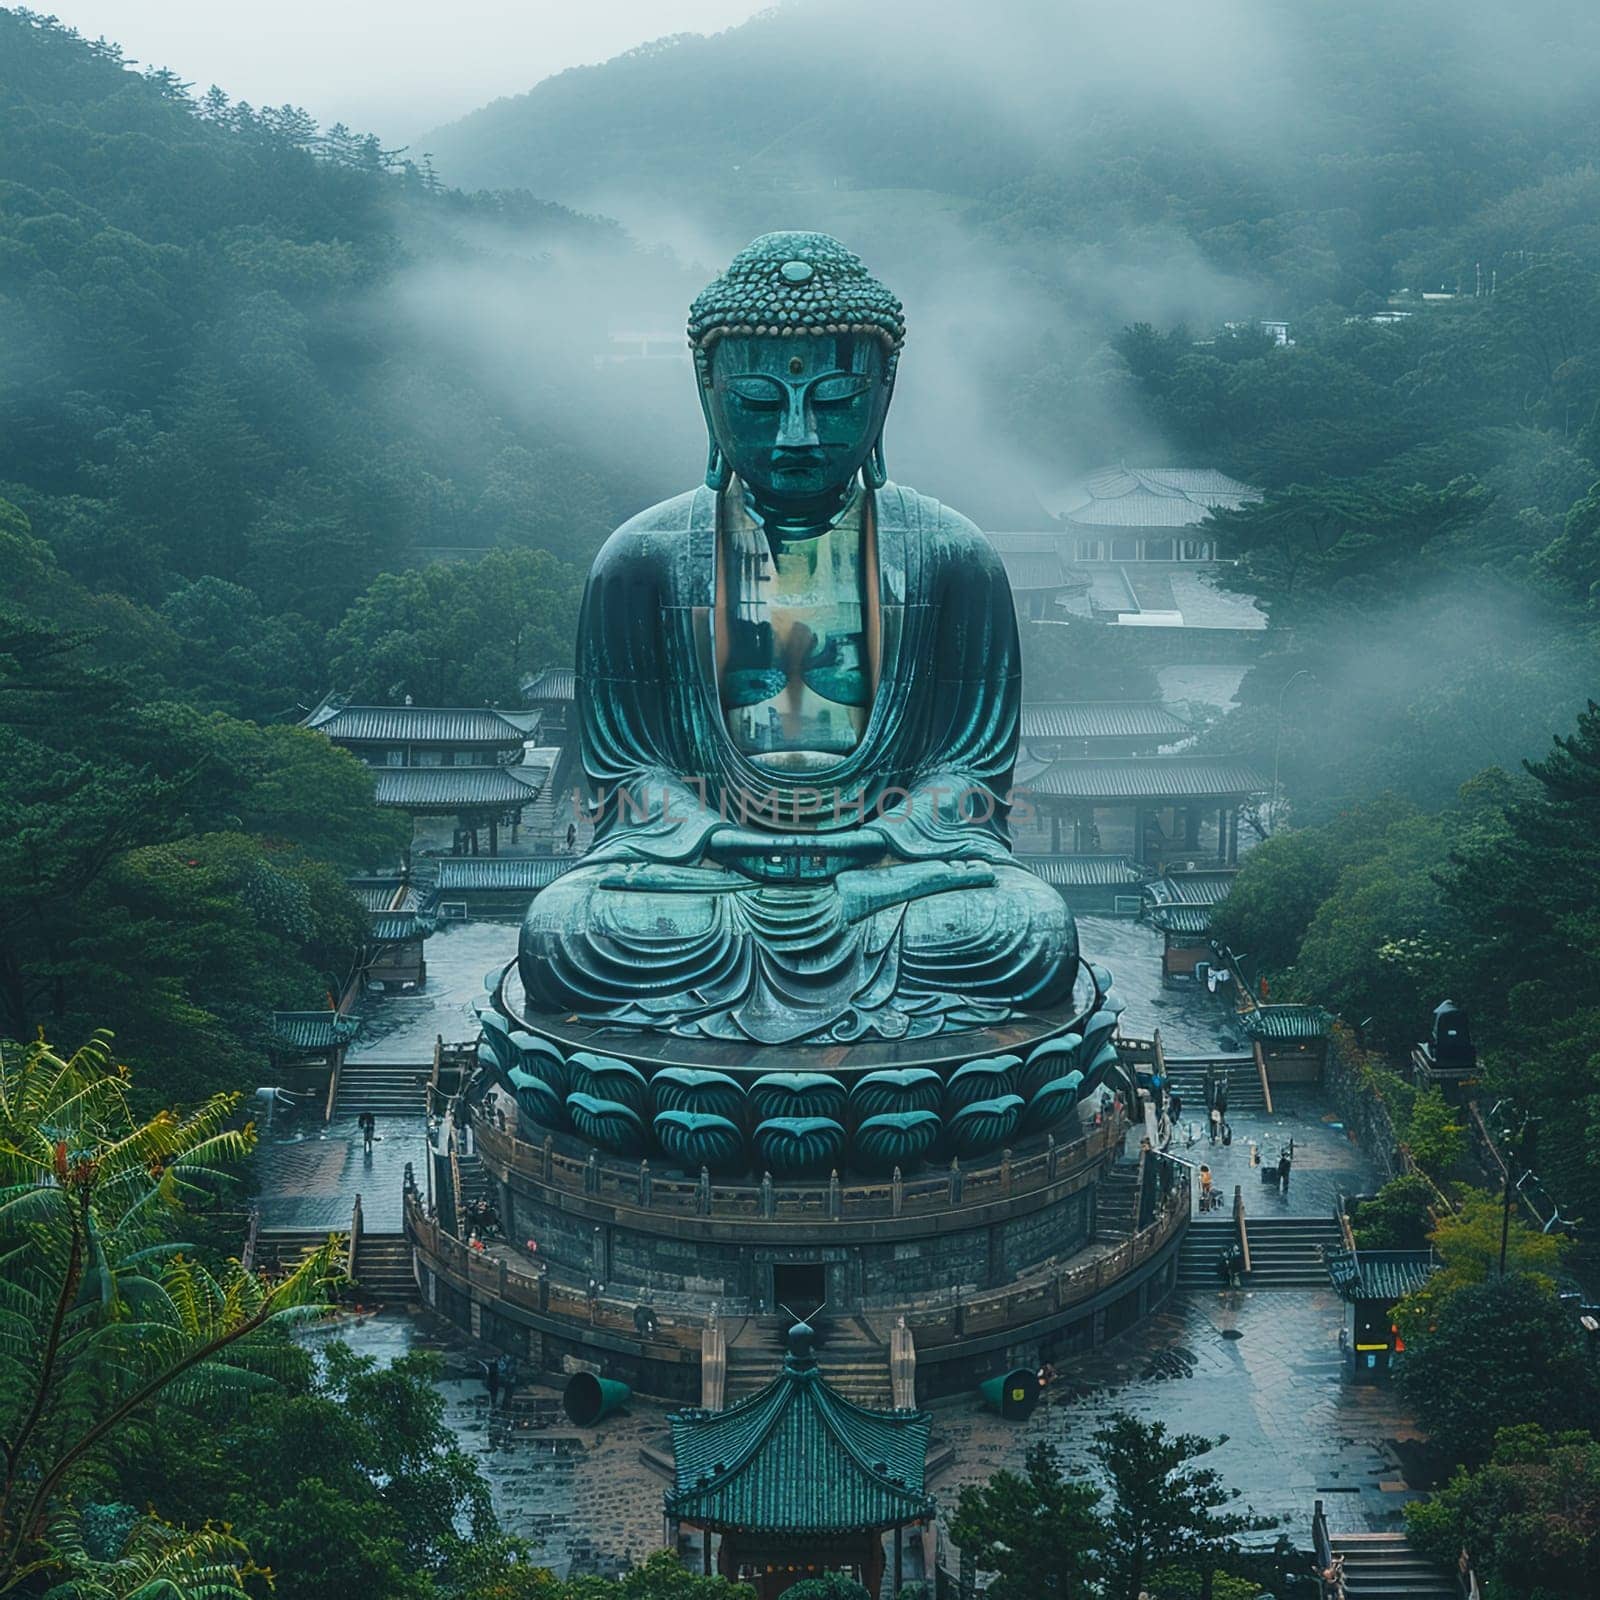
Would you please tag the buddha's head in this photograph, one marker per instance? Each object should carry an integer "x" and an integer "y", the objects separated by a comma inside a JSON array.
[{"x": 795, "y": 348}]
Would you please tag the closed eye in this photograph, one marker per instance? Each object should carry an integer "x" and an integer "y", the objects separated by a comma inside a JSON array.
[
  {"x": 757, "y": 393},
  {"x": 838, "y": 390}
]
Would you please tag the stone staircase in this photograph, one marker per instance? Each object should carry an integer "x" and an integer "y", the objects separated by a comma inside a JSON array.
[
  {"x": 1287, "y": 1252},
  {"x": 1114, "y": 1201},
  {"x": 1189, "y": 1083},
  {"x": 851, "y": 1359},
  {"x": 280, "y": 1249},
  {"x": 1206, "y": 1239},
  {"x": 476, "y": 1183},
  {"x": 383, "y": 1269},
  {"x": 385, "y": 1088},
  {"x": 1383, "y": 1566}
]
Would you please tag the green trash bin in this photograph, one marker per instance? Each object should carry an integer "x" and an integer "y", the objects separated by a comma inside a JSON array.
[
  {"x": 1013, "y": 1394},
  {"x": 587, "y": 1398}
]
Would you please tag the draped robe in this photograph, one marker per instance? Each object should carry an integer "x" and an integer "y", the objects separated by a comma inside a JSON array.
[{"x": 646, "y": 932}]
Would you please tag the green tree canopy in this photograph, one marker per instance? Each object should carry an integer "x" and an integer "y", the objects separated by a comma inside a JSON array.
[{"x": 1529, "y": 1517}]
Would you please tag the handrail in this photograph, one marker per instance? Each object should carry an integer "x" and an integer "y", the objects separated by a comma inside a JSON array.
[
  {"x": 1341, "y": 1215},
  {"x": 1240, "y": 1223},
  {"x": 499, "y": 1270},
  {"x": 455, "y": 1170},
  {"x": 355, "y": 1238},
  {"x": 1261, "y": 1073},
  {"x": 955, "y": 1188},
  {"x": 335, "y": 1066},
  {"x": 252, "y": 1235}
]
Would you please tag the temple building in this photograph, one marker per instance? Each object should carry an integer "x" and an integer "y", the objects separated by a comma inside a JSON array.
[
  {"x": 1044, "y": 583},
  {"x": 1160, "y": 811},
  {"x": 1179, "y": 908},
  {"x": 401, "y": 915},
  {"x": 309, "y": 1038},
  {"x": 463, "y": 763},
  {"x": 487, "y": 888},
  {"x": 1136, "y": 514},
  {"x": 551, "y": 692},
  {"x": 1372, "y": 1283},
  {"x": 1054, "y": 729},
  {"x": 796, "y": 1481},
  {"x": 420, "y": 736}
]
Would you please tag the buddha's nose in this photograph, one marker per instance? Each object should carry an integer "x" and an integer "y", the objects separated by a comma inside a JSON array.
[{"x": 798, "y": 430}]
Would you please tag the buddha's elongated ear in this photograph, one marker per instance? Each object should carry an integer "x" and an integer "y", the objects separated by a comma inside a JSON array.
[
  {"x": 875, "y": 470},
  {"x": 719, "y": 470}
]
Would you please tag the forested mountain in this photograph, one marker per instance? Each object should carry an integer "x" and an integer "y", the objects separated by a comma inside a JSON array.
[
  {"x": 208, "y": 376},
  {"x": 229, "y": 434},
  {"x": 1317, "y": 148}
]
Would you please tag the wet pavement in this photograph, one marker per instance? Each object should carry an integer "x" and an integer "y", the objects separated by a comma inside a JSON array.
[
  {"x": 403, "y": 1027},
  {"x": 1262, "y": 1368},
  {"x": 1261, "y": 1371},
  {"x": 308, "y": 1172},
  {"x": 1325, "y": 1163},
  {"x": 1192, "y": 1022}
]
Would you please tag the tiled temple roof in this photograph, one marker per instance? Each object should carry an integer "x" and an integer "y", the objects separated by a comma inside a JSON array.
[
  {"x": 798, "y": 1458},
  {"x": 415, "y": 725},
  {"x": 1287, "y": 1023},
  {"x": 1148, "y": 778},
  {"x": 1102, "y": 719}
]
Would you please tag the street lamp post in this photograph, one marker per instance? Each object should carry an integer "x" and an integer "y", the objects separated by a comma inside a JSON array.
[{"x": 1277, "y": 740}]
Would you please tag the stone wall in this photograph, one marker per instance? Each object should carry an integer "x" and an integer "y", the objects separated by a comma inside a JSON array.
[{"x": 880, "y": 1271}]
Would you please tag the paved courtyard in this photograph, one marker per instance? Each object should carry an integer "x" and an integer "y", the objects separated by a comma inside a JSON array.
[
  {"x": 402, "y": 1027},
  {"x": 1262, "y": 1368},
  {"x": 309, "y": 1172}
]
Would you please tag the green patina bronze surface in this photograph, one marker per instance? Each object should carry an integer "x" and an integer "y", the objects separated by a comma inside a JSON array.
[{"x": 798, "y": 692}]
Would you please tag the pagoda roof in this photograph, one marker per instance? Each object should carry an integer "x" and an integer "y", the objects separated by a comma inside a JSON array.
[
  {"x": 1085, "y": 871},
  {"x": 1191, "y": 888},
  {"x": 482, "y": 873},
  {"x": 1182, "y": 919},
  {"x": 798, "y": 1458},
  {"x": 396, "y": 927},
  {"x": 1380, "y": 1274},
  {"x": 1148, "y": 497},
  {"x": 415, "y": 725},
  {"x": 312, "y": 1030},
  {"x": 1290, "y": 1023},
  {"x": 1111, "y": 778},
  {"x": 413, "y": 788},
  {"x": 551, "y": 683},
  {"x": 1102, "y": 719},
  {"x": 391, "y": 891}
]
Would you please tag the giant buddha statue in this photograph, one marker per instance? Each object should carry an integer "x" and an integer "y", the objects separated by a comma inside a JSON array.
[{"x": 797, "y": 698}]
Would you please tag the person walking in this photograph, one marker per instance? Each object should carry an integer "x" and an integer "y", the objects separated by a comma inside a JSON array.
[
  {"x": 369, "y": 1130},
  {"x": 1285, "y": 1161},
  {"x": 1205, "y": 1188},
  {"x": 1216, "y": 1123}
]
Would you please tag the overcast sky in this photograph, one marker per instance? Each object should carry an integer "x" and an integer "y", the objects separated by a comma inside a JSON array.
[{"x": 392, "y": 67}]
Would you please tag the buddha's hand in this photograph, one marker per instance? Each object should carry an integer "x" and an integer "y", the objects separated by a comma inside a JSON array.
[
  {"x": 865, "y": 892},
  {"x": 791, "y": 857}
]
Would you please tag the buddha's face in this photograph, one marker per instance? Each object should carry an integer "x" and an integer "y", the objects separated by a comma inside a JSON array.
[{"x": 796, "y": 418}]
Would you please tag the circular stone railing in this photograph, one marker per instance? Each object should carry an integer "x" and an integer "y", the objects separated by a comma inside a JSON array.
[{"x": 504, "y": 1277}]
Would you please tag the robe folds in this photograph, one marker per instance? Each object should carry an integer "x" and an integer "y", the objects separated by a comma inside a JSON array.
[{"x": 814, "y": 943}]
